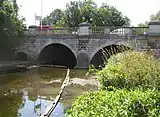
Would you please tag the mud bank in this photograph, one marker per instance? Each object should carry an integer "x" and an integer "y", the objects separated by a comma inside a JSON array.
[{"x": 15, "y": 66}]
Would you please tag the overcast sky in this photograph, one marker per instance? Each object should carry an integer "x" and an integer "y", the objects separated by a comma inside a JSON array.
[{"x": 137, "y": 10}]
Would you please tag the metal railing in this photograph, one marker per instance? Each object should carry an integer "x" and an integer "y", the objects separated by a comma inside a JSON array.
[
  {"x": 119, "y": 30},
  {"x": 92, "y": 31}
]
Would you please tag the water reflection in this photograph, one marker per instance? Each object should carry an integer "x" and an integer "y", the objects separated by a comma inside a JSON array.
[
  {"x": 9, "y": 105},
  {"x": 33, "y": 108},
  {"x": 28, "y": 93}
]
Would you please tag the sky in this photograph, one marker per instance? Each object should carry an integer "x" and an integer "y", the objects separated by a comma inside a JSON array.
[{"x": 138, "y": 11}]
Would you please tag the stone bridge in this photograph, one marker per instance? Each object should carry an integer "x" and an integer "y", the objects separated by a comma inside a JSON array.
[{"x": 79, "y": 47}]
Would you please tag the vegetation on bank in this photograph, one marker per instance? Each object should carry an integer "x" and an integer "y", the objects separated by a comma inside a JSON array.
[
  {"x": 130, "y": 84},
  {"x": 118, "y": 103},
  {"x": 131, "y": 69}
]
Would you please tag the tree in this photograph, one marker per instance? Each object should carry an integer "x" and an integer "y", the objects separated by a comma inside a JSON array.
[
  {"x": 11, "y": 26},
  {"x": 155, "y": 17},
  {"x": 143, "y": 24},
  {"x": 88, "y": 10},
  {"x": 152, "y": 18},
  {"x": 73, "y": 15},
  {"x": 77, "y": 12},
  {"x": 53, "y": 18},
  {"x": 110, "y": 16}
]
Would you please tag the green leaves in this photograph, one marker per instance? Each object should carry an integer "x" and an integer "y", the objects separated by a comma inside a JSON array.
[
  {"x": 131, "y": 70},
  {"x": 130, "y": 88},
  {"x": 53, "y": 18},
  {"x": 118, "y": 103},
  {"x": 11, "y": 27},
  {"x": 77, "y": 12}
]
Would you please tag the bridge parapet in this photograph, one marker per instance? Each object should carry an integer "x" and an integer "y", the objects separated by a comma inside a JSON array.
[
  {"x": 96, "y": 32},
  {"x": 154, "y": 37}
]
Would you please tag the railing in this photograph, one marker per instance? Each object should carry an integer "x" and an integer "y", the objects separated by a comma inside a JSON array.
[
  {"x": 51, "y": 32},
  {"x": 92, "y": 31},
  {"x": 119, "y": 30}
]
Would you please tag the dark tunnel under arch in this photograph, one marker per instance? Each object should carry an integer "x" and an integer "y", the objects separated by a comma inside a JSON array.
[
  {"x": 57, "y": 54},
  {"x": 103, "y": 54}
]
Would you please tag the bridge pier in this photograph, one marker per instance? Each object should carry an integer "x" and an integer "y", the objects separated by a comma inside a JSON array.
[{"x": 82, "y": 60}]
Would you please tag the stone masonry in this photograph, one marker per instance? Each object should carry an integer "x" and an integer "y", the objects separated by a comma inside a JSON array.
[{"x": 85, "y": 45}]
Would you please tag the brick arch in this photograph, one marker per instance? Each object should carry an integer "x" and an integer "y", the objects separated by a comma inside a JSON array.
[
  {"x": 62, "y": 43},
  {"x": 109, "y": 44}
]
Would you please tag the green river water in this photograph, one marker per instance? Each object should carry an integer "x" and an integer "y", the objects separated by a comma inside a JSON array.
[{"x": 27, "y": 94}]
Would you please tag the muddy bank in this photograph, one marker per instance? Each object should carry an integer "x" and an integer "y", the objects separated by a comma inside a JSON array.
[
  {"x": 76, "y": 81},
  {"x": 20, "y": 66},
  {"x": 84, "y": 82},
  {"x": 15, "y": 66}
]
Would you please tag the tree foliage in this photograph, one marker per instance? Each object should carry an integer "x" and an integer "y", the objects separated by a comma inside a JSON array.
[
  {"x": 54, "y": 17},
  {"x": 11, "y": 25},
  {"x": 77, "y": 12},
  {"x": 155, "y": 16},
  {"x": 131, "y": 70}
]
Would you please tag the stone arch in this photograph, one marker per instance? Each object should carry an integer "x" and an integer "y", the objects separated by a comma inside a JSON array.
[
  {"x": 19, "y": 55},
  {"x": 82, "y": 60},
  {"x": 108, "y": 44},
  {"x": 59, "y": 42},
  {"x": 109, "y": 49},
  {"x": 57, "y": 54}
]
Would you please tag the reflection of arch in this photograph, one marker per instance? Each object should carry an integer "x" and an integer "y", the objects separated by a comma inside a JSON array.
[
  {"x": 57, "y": 54},
  {"x": 21, "y": 56},
  {"x": 98, "y": 57},
  {"x": 82, "y": 60}
]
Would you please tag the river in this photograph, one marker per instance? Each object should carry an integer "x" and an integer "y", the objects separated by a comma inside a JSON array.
[{"x": 28, "y": 93}]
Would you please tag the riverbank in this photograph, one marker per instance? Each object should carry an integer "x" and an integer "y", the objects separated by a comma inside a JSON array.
[
  {"x": 130, "y": 84},
  {"x": 9, "y": 66}
]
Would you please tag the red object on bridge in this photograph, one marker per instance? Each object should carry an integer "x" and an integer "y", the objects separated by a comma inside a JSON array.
[{"x": 45, "y": 27}]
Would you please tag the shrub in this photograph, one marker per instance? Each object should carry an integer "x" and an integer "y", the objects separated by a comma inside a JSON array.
[
  {"x": 118, "y": 103},
  {"x": 130, "y": 70}
]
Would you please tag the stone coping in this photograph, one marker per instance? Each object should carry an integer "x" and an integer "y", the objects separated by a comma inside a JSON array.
[
  {"x": 84, "y": 24},
  {"x": 154, "y": 23}
]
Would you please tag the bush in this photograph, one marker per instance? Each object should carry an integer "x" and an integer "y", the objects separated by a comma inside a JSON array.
[
  {"x": 130, "y": 70},
  {"x": 118, "y": 103}
]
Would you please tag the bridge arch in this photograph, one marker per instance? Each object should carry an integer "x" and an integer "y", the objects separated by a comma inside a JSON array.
[
  {"x": 59, "y": 42},
  {"x": 57, "y": 54},
  {"x": 97, "y": 56}
]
